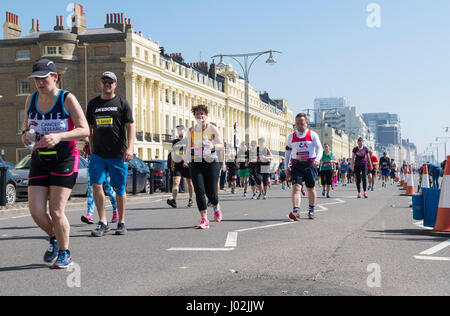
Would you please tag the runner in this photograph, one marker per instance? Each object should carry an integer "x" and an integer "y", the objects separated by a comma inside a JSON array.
[
  {"x": 385, "y": 167},
  {"x": 372, "y": 169},
  {"x": 350, "y": 173},
  {"x": 242, "y": 158},
  {"x": 88, "y": 218},
  {"x": 360, "y": 159},
  {"x": 232, "y": 168},
  {"x": 180, "y": 169},
  {"x": 264, "y": 157},
  {"x": 54, "y": 158},
  {"x": 326, "y": 169},
  {"x": 305, "y": 150},
  {"x": 393, "y": 171},
  {"x": 282, "y": 174},
  {"x": 253, "y": 167},
  {"x": 204, "y": 141},
  {"x": 344, "y": 170},
  {"x": 112, "y": 138}
]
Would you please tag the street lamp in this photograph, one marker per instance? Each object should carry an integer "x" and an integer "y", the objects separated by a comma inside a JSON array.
[
  {"x": 246, "y": 67},
  {"x": 445, "y": 144}
]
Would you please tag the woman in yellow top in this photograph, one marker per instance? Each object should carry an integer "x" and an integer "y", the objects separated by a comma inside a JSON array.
[{"x": 204, "y": 141}]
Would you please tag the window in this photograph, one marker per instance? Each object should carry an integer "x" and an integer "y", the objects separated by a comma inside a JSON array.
[
  {"x": 23, "y": 55},
  {"x": 52, "y": 50},
  {"x": 23, "y": 87},
  {"x": 174, "y": 98},
  {"x": 20, "y": 120},
  {"x": 138, "y": 52}
]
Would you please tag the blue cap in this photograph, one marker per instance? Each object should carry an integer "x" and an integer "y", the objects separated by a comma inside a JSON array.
[{"x": 43, "y": 68}]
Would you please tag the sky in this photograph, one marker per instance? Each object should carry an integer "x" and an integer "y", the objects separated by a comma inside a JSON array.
[{"x": 330, "y": 48}]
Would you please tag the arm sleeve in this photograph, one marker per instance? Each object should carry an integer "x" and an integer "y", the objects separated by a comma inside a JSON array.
[
  {"x": 318, "y": 146},
  {"x": 287, "y": 154}
]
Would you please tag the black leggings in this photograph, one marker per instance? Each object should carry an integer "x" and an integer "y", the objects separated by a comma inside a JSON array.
[
  {"x": 361, "y": 173},
  {"x": 205, "y": 177}
]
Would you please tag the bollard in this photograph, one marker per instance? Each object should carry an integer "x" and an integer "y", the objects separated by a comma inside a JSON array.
[
  {"x": 152, "y": 182},
  {"x": 3, "y": 171},
  {"x": 134, "y": 180}
]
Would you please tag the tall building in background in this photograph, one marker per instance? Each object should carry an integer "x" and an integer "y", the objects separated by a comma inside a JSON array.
[
  {"x": 386, "y": 127},
  {"x": 323, "y": 105}
]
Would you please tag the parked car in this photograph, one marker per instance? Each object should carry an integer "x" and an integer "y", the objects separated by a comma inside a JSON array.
[
  {"x": 9, "y": 165},
  {"x": 159, "y": 168},
  {"x": 22, "y": 169},
  {"x": 11, "y": 195},
  {"x": 142, "y": 176}
]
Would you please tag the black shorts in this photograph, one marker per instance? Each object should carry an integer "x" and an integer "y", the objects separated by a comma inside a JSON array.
[
  {"x": 180, "y": 171},
  {"x": 326, "y": 177},
  {"x": 282, "y": 177},
  {"x": 302, "y": 173},
  {"x": 60, "y": 173}
]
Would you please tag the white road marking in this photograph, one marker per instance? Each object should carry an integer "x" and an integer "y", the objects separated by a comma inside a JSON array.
[
  {"x": 200, "y": 249},
  {"x": 437, "y": 248},
  {"x": 231, "y": 240},
  {"x": 263, "y": 227},
  {"x": 432, "y": 258}
]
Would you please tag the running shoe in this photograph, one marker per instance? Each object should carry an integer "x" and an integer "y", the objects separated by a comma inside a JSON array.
[
  {"x": 64, "y": 260},
  {"x": 204, "y": 224},
  {"x": 218, "y": 216},
  {"x": 371, "y": 188},
  {"x": 52, "y": 251},
  {"x": 245, "y": 194},
  {"x": 303, "y": 192},
  {"x": 121, "y": 229},
  {"x": 295, "y": 215},
  {"x": 254, "y": 197},
  {"x": 311, "y": 215},
  {"x": 328, "y": 195},
  {"x": 172, "y": 203},
  {"x": 323, "y": 193},
  {"x": 100, "y": 230},
  {"x": 87, "y": 219},
  {"x": 359, "y": 195},
  {"x": 232, "y": 190},
  {"x": 283, "y": 187},
  {"x": 365, "y": 195},
  {"x": 190, "y": 203},
  {"x": 264, "y": 196},
  {"x": 259, "y": 196},
  {"x": 115, "y": 217}
]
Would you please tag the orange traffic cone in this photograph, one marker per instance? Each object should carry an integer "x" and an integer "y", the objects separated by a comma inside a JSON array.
[
  {"x": 410, "y": 185},
  {"x": 443, "y": 214},
  {"x": 425, "y": 177},
  {"x": 402, "y": 179}
]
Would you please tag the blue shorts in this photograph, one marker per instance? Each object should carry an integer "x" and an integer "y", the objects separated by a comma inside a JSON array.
[
  {"x": 304, "y": 173},
  {"x": 385, "y": 172},
  {"x": 116, "y": 168}
]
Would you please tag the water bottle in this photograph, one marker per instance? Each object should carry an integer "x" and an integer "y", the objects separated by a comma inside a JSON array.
[{"x": 31, "y": 137}]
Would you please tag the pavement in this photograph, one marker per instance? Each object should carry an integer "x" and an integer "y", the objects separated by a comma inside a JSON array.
[{"x": 359, "y": 247}]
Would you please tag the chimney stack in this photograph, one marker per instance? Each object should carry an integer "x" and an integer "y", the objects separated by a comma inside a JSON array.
[
  {"x": 78, "y": 20},
  {"x": 116, "y": 21},
  {"x": 59, "y": 24},
  {"x": 11, "y": 28}
]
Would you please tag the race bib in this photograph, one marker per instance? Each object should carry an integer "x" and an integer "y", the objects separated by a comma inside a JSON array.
[
  {"x": 327, "y": 164},
  {"x": 303, "y": 156},
  {"x": 103, "y": 122}
]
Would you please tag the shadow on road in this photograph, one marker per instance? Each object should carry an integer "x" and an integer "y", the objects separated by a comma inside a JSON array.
[{"x": 23, "y": 268}]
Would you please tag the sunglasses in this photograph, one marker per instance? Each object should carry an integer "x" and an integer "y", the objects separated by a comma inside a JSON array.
[{"x": 108, "y": 82}]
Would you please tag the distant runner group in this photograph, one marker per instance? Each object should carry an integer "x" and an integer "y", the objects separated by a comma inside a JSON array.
[{"x": 55, "y": 121}]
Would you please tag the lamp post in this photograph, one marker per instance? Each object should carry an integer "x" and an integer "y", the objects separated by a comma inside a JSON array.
[
  {"x": 445, "y": 144},
  {"x": 246, "y": 67}
]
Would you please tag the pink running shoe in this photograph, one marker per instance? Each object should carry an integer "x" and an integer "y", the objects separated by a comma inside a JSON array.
[
  {"x": 359, "y": 195},
  {"x": 218, "y": 216},
  {"x": 303, "y": 192},
  {"x": 295, "y": 216},
  {"x": 115, "y": 217},
  {"x": 204, "y": 224}
]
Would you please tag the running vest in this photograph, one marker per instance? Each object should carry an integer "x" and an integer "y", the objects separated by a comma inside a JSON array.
[
  {"x": 54, "y": 121},
  {"x": 327, "y": 164},
  {"x": 198, "y": 140},
  {"x": 302, "y": 149}
]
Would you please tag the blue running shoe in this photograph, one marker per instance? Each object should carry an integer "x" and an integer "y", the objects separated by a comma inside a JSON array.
[
  {"x": 64, "y": 260},
  {"x": 52, "y": 251}
]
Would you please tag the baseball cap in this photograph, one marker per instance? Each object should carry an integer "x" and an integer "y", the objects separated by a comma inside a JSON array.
[
  {"x": 110, "y": 75},
  {"x": 43, "y": 68}
]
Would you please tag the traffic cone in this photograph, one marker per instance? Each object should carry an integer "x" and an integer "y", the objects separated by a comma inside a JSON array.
[
  {"x": 410, "y": 185},
  {"x": 443, "y": 213},
  {"x": 405, "y": 182},
  {"x": 402, "y": 180},
  {"x": 425, "y": 177}
]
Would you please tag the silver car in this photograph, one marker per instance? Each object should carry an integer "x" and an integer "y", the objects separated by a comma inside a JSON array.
[{"x": 22, "y": 169}]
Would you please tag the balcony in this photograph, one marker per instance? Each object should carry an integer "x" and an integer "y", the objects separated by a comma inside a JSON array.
[
  {"x": 156, "y": 138},
  {"x": 140, "y": 136},
  {"x": 167, "y": 138},
  {"x": 148, "y": 137}
]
